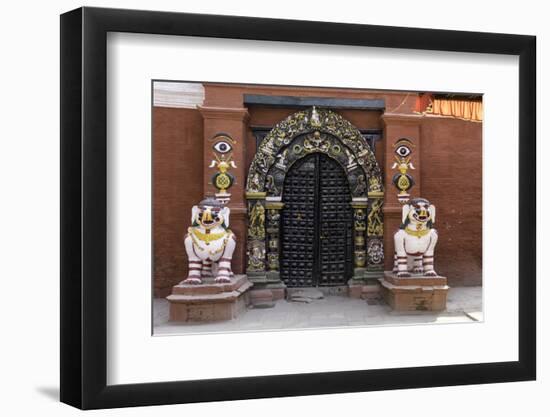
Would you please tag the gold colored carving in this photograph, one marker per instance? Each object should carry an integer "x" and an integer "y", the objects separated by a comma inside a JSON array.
[
  {"x": 223, "y": 182},
  {"x": 222, "y": 179},
  {"x": 403, "y": 183},
  {"x": 374, "y": 220},
  {"x": 360, "y": 258},
  {"x": 374, "y": 185},
  {"x": 273, "y": 261},
  {"x": 255, "y": 195},
  {"x": 256, "y": 226},
  {"x": 256, "y": 256},
  {"x": 274, "y": 205},
  {"x": 319, "y": 121}
]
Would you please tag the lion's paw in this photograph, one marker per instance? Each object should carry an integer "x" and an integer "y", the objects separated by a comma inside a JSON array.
[
  {"x": 192, "y": 281},
  {"x": 223, "y": 280},
  {"x": 431, "y": 274},
  {"x": 418, "y": 270},
  {"x": 403, "y": 275}
]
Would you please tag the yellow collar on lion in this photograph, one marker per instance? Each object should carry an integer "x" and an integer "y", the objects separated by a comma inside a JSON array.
[
  {"x": 417, "y": 233},
  {"x": 207, "y": 237}
]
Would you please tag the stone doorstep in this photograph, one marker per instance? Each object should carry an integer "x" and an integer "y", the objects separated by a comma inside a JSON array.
[
  {"x": 420, "y": 280},
  {"x": 311, "y": 293},
  {"x": 301, "y": 300},
  {"x": 209, "y": 287},
  {"x": 225, "y": 297}
]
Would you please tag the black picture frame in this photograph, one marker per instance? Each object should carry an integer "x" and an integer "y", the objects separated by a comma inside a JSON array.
[{"x": 84, "y": 207}]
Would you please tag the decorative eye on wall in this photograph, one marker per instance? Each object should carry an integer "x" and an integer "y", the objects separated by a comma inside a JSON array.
[
  {"x": 222, "y": 146},
  {"x": 403, "y": 147},
  {"x": 403, "y": 151}
]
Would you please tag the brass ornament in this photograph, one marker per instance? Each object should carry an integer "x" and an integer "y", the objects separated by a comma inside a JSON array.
[{"x": 222, "y": 180}]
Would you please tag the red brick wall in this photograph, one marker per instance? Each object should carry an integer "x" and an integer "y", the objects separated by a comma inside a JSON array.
[
  {"x": 177, "y": 186},
  {"x": 451, "y": 154}
]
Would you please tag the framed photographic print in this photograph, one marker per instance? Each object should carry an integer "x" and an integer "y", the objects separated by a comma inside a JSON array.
[{"x": 258, "y": 208}]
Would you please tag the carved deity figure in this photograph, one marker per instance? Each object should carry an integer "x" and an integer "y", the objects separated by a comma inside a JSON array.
[
  {"x": 416, "y": 239},
  {"x": 257, "y": 221},
  {"x": 209, "y": 243}
]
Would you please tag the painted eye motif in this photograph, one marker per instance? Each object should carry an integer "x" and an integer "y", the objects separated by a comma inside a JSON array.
[
  {"x": 222, "y": 146},
  {"x": 403, "y": 151}
]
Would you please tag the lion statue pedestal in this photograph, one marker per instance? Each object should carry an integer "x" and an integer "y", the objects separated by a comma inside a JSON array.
[
  {"x": 414, "y": 285},
  {"x": 211, "y": 292}
]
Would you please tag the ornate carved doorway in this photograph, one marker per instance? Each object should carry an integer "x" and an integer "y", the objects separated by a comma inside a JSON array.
[
  {"x": 308, "y": 145},
  {"x": 317, "y": 224}
]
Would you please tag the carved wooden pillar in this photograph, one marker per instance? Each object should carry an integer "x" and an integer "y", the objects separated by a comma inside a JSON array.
[
  {"x": 375, "y": 235},
  {"x": 359, "y": 205},
  {"x": 256, "y": 237},
  {"x": 273, "y": 225}
]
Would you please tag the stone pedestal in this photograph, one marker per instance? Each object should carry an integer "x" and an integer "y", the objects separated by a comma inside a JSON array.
[
  {"x": 415, "y": 293},
  {"x": 209, "y": 301}
]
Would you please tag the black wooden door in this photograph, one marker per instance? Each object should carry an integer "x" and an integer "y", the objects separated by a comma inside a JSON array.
[{"x": 316, "y": 242}]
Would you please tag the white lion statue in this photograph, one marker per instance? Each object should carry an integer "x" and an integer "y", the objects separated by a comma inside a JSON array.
[
  {"x": 209, "y": 243},
  {"x": 416, "y": 239}
]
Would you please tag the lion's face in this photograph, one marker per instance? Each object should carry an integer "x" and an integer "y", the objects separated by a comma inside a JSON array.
[
  {"x": 209, "y": 217},
  {"x": 420, "y": 211},
  {"x": 210, "y": 213}
]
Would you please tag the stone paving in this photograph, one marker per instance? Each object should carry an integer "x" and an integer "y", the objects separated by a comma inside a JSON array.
[{"x": 463, "y": 305}]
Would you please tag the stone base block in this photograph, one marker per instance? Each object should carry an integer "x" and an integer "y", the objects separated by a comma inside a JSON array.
[
  {"x": 415, "y": 293},
  {"x": 209, "y": 301},
  {"x": 261, "y": 298},
  {"x": 278, "y": 293},
  {"x": 265, "y": 294},
  {"x": 364, "y": 290}
]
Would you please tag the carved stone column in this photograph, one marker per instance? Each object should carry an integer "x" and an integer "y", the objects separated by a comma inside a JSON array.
[
  {"x": 359, "y": 205},
  {"x": 375, "y": 236},
  {"x": 273, "y": 206},
  {"x": 256, "y": 238}
]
